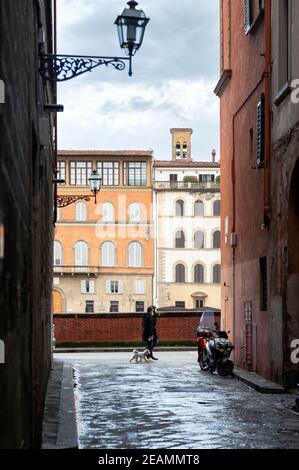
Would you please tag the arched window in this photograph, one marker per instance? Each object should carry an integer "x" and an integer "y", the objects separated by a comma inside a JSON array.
[
  {"x": 179, "y": 208},
  {"x": 185, "y": 151},
  {"x": 108, "y": 254},
  {"x": 199, "y": 276},
  {"x": 81, "y": 211},
  {"x": 180, "y": 239},
  {"x": 57, "y": 254},
  {"x": 135, "y": 255},
  {"x": 199, "y": 208},
  {"x": 134, "y": 212},
  {"x": 180, "y": 275},
  {"x": 216, "y": 208},
  {"x": 107, "y": 212},
  {"x": 199, "y": 240},
  {"x": 178, "y": 150},
  {"x": 81, "y": 254},
  {"x": 217, "y": 274},
  {"x": 216, "y": 239}
]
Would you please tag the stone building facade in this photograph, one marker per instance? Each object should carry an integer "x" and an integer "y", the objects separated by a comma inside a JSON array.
[
  {"x": 26, "y": 221},
  {"x": 187, "y": 228},
  {"x": 104, "y": 252},
  {"x": 243, "y": 89},
  {"x": 284, "y": 229},
  {"x": 258, "y": 88}
]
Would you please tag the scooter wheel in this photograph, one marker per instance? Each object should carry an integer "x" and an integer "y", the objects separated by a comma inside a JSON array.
[
  {"x": 225, "y": 368},
  {"x": 203, "y": 363}
]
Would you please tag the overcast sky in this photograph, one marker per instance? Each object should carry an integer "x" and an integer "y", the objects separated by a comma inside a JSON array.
[{"x": 174, "y": 75}]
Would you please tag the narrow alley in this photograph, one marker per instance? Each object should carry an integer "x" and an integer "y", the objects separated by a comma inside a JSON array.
[{"x": 172, "y": 404}]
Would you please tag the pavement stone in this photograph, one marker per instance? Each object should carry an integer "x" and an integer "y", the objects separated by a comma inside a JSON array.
[
  {"x": 172, "y": 404},
  {"x": 257, "y": 382},
  {"x": 59, "y": 424}
]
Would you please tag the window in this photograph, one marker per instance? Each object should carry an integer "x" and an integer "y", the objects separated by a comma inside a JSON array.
[
  {"x": 206, "y": 178},
  {"x": 217, "y": 274},
  {"x": 173, "y": 179},
  {"x": 185, "y": 151},
  {"x": 180, "y": 239},
  {"x": 284, "y": 45},
  {"x": 179, "y": 208},
  {"x": 199, "y": 208},
  {"x": 180, "y": 273},
  {"x": 134, "y": 212},
  {"x": 137, "y": 173},
  {"x": 80, "y": 172},
  {"x": 87, "y": 287},
  {"x": 139, "y": 286},
  {"x": 61, "y": 170},
  {"x": 107, "y": 210},
  {"x": 108, "y": 254},
  {"x": 57, "y": 254},
  {"x": 114, "y": 306},
  {"x": 263, "y": 284},
  {"x": 180, "y": 304},
  {"x": 139, "y": 306},
  {"x": 199, "y": 303},
  {"x": 81, "y": 212},
  {"x": 109, "y": 172},
  {"x": 199, "y": 276},
  {"x": 260, "y": 132},
  {"x": 89, "y": 306},
  {"x": 216, "y": 239},
  {"x": 114, "y": 287},
  {"x": 216, "y": 208},
  {"x": 81, "y": 254},
  {"x": 199, "y": 240},
  {"x": 178, "y": 150},
  {"x": 135, "y": 255}
]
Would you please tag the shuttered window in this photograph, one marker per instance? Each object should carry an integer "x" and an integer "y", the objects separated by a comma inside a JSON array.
[
  {"x": 81, "y": 254},
  {"x": 260, "y": 132},
  {"x": 247, "y": 15},
  {"x": 108, "y": 254}
]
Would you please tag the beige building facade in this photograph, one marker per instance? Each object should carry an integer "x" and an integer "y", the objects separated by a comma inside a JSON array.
[{"x": 187, "y": 228}]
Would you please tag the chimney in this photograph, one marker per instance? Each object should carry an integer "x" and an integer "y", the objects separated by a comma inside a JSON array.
[{"x": 213, "y": 155}]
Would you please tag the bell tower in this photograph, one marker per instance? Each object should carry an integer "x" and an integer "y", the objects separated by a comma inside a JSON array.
[{"x": 181, "y": 144}]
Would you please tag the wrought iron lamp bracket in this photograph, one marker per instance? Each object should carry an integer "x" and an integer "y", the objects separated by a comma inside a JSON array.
[
  {"x": 63, "y": 201},
  {"x": 60, "y": 68}
]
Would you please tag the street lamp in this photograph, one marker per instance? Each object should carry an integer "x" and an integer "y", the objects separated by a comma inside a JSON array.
[
  {"x": 131, "y": 26},
  {"x": 95, "y": 184}
]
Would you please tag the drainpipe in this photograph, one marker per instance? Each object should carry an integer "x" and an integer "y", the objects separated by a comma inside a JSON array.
[{"x": 267, "y": 92}]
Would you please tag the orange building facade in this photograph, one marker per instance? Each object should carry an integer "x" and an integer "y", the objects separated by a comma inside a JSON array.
[{"x": 104, "y": 252}]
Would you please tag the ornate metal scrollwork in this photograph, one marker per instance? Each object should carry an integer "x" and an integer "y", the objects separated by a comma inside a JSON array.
[
  {"x": 60, "y": 68},
  {"x": 63, "y": 201}
]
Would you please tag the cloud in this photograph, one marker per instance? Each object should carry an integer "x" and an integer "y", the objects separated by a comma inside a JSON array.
[{"x": 172, "y": 86}]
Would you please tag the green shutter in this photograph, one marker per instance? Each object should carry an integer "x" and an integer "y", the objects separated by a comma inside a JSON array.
[
  {"x": 247, "y": 15},
  {"x": 260, "y": 132}
]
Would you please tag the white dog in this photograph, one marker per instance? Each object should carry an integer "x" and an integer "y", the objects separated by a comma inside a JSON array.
[{"x": 140, "y": 356}]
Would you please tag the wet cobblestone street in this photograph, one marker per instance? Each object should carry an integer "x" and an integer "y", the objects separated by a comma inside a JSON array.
[{"x": 171, "y": 404}]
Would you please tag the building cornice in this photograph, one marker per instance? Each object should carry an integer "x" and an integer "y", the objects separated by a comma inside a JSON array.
[{"x": 223, "y": 81}]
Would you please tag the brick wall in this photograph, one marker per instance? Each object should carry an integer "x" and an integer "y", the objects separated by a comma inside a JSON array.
[
  {"x": 26, "y": 221},
  {"x": 121, "y": 328}
]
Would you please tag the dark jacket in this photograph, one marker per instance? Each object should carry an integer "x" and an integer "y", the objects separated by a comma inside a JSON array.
[{"x": 147, "y": 326}]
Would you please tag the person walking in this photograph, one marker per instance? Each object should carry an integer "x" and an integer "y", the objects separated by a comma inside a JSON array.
[{"x": 147, "y": 328}]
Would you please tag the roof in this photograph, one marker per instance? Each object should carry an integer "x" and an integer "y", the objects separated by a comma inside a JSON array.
[
  {"x": 181, "y": 309},
  {"x": 185, "y": 164},
  {"x": 106, "y": 153}
]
